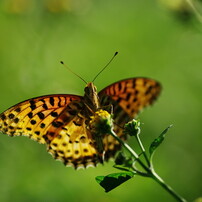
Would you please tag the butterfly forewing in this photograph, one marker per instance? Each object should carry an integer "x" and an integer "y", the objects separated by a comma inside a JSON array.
[
  {"x": 34, "y": 117},
  {"x": 131, "y": 95},
  {"x": 55, "y": 120},
  {"x": 127, "y": 97}
]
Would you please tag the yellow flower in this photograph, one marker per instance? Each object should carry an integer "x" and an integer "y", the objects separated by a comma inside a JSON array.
[{"x": 101, "y": 123}]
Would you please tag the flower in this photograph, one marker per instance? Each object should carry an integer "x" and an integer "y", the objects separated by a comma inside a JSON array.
[{"x": 101, "y": 123}]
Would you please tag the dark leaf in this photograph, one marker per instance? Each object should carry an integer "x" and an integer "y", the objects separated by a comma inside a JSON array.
[
  {"x": 123, "y": 161},
  {"x": 120, "y": 158},
  {"x": 113, "y": 180}
]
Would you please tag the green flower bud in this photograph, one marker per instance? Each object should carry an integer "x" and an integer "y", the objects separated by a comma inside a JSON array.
[{"x": 132, "y": 128}]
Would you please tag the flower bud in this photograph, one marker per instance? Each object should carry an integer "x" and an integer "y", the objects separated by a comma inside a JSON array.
[{"x": 132, "y": 128}]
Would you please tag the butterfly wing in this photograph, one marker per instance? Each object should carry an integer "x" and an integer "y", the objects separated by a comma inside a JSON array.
[
  {"x": 34, "y": 117},
  {"x": 74, "y": 144},
  {"x": 56, "y": 120},
  {"x": 127, "y": 97}
]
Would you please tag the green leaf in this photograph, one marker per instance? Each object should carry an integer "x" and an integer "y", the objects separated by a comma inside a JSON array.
[
  {"x": 158, "y": 141},
  {"x": 113, "y": 180}
]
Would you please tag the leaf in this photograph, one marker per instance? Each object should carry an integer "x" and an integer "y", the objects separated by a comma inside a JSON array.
[
  {"x": 113, "y": 180},
  {"x": 158, "y": 141},
  {"x": 120, "y": 158}
]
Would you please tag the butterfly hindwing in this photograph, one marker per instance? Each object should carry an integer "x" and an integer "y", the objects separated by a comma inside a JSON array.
[{"x": 74, "y": 144}]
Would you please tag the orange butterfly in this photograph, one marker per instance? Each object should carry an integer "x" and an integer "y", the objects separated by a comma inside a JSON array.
[{"x": 61, "y": 121}]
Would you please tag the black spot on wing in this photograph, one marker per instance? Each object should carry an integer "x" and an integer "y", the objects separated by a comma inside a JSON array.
[
  {"x": 16, "y": 120},
  {"x": 11, "y": 127},
  {"x": 18, "y": 109},
  {"x": 52, "y": 101},
  {"x": 128, "y": 96},
  {"x": 33, "y": 122},
  {"x": 42, "y": 125},
  {"x": 57, "y": 124},
  {"x": 148, "y": 90},
  {"x": 32, "y": 104},
  {"x": 59, "y": 103},
  {"x": 41, "y": 115},
  {"x": 11, "y": 116},
  {"x": 54, "y": 114},
  {"x": 30, "y": 115},
  {"x": 3, "y": 117},
  {"x": 45, "y": 106}
]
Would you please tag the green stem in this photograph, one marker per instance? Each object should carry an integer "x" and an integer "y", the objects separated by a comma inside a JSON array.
[
  {"x": 143, "y": 150},
  {"x": 149, "y": 170},
  {"x": 133, "y": 153},
  {"x": 167, "y": 187}
]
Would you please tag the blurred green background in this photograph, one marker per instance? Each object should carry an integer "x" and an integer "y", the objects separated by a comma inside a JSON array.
[{"x": 153, "y": 39}]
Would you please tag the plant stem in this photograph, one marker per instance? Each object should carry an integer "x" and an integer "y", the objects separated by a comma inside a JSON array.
[
  {"x": 166, "y": 187},
  {"x": 133, "y": 153},
  {"x": 143, "y": 150},
  {"x": 149, "y": 170}
]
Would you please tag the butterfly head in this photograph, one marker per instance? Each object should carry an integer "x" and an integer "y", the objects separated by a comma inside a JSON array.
[{"x": 90, "y": 89}]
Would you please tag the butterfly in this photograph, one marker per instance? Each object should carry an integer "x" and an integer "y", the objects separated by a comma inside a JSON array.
[{"x": 61, "y": 121}]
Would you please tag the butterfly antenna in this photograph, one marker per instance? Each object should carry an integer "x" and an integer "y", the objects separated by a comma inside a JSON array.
[
  {"x": 73, "y": 72},
  {"x": 105, "y": 66}
]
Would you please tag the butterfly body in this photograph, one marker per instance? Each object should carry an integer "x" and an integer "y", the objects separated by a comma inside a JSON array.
[
  {"x": 62, "y": 121},
  {"x": 90, "y": 98}
]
